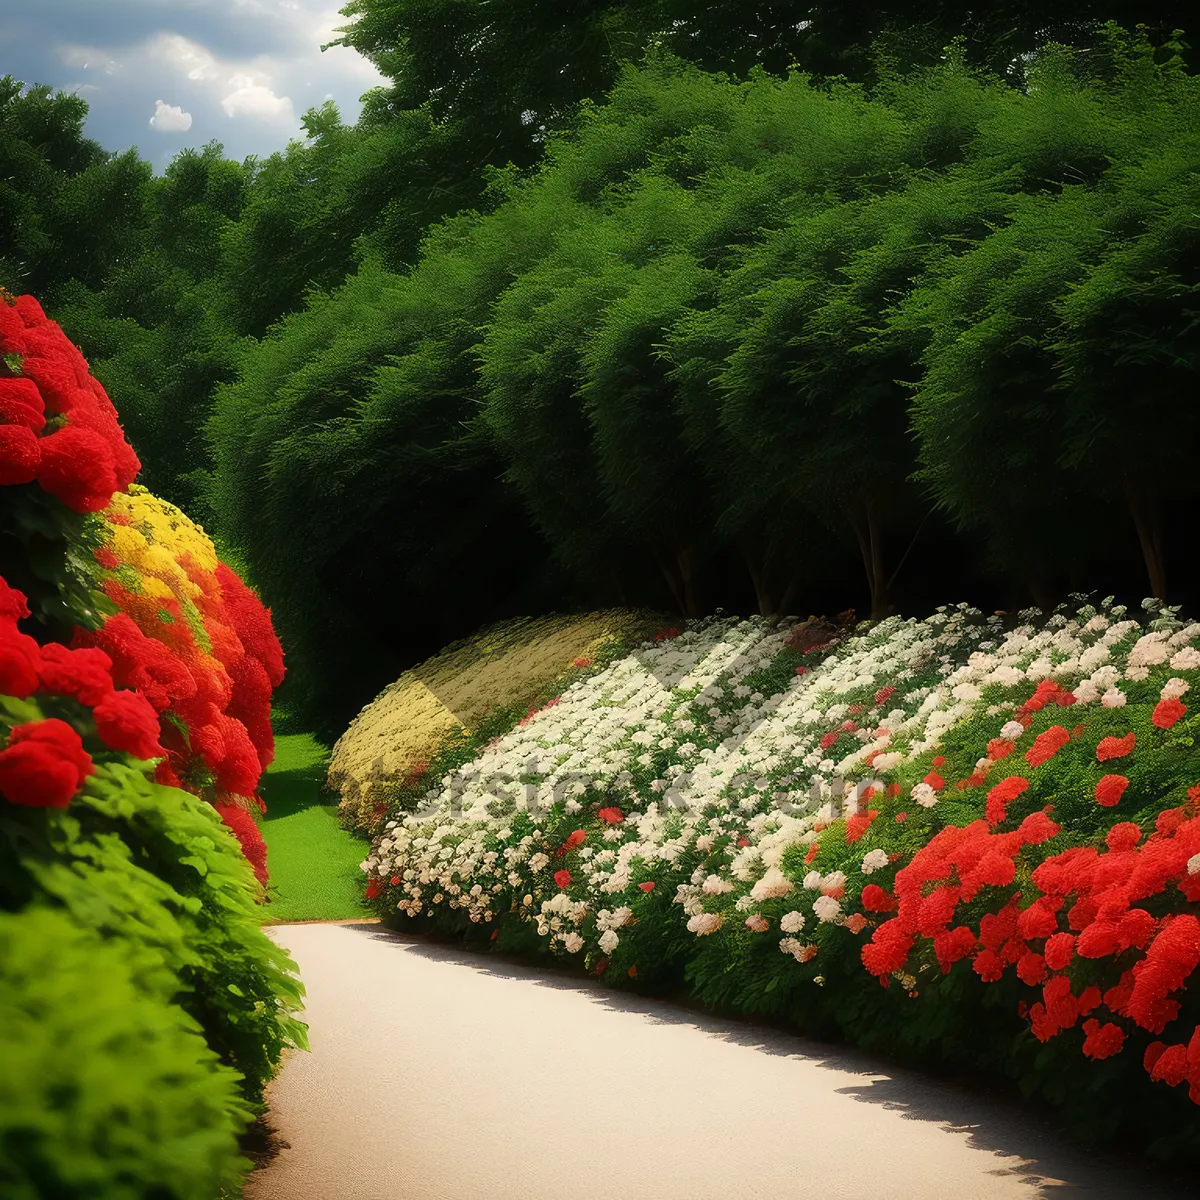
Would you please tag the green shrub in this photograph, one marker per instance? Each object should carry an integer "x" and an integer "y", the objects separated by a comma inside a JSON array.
[
  {"x": 107, "y": 1089},
  {"x": 156, "y": 868}
]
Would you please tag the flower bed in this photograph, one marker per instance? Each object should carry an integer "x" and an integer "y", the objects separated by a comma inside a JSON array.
[
  {"x": 440, "y": 713},
  {"x": 994, "y": 819}
]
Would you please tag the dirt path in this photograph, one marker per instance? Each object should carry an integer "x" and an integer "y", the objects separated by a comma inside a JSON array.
[{"x": 436, "y": 1074}]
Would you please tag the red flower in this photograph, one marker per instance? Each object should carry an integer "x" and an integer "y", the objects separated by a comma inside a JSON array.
[
  {"x": 743, "y": 841},
  {"x": 1113, "y": 747},
  {"x": 857, "y": 825},
  {"x": 44, "y": 765},
  {"x": 1064, "y": 699},
  {"x": 1167, "y": 712},
  {"x": 77, "y": 467},
  {"x": 648, "y": 886},
  {"x": 887, "y": 951},
  {"x": 395, "y": 881},
  {"x": 1000, "y": 796},
  {"x": 20, "y": 455},
  {"x": 562, "y": 878},
  {"x": 1172, "y": 957},
  {"x": 1110, "y": 789},
  {"x": 801, "y": 670},
  {"x": 247, "y": 832},
  {"x": 1102, "y": 1041},
  {"x": 988, "y": 966},
  {"x": 21, "y": 404},
  {"x": 1046, "y": 745},
  {"x": 373, "y": 889},
  {"x": 935, "y": 781},
  {"x": 1031, "y": 968},
  {"x": 875, "y": 899},
  {"x": 611, "y": 816},
  {"x": 939, "y": 761},
  {"x": 812, "y": 853},
  {"x": 574, "y": 839},
  {"x": 884, "y": 694},
  {"x": 829, "y": 739},
  {"x": 1059, "y": 950},
  {"x": 901, "y": 817},
  {"x": 84, "y": 674},
  {"x": 999, "y": 748},
  {"x": 1046, "y": 691},
  {"x": 1169, "y": 1064},
  {"x": 126, "y": 721},
  {"x": 953, "y": 944},
  {"x": 581, "y": 661}
]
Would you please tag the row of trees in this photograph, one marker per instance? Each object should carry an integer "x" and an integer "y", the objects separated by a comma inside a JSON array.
[
  {"x": 791, "y": 322},
  {"x": 705, "y": 340}
]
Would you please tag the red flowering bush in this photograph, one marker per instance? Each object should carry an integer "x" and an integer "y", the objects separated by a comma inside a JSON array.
[
  {"x": 59, "y": 428},
  {"x": 173, "y": 655},
  {"x": 43, "y": 761}
]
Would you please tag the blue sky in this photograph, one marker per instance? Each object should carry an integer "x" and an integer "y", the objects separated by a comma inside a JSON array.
[{"x": 165, "y": 74}]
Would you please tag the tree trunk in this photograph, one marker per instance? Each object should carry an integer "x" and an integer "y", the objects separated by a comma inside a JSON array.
[
  {"x": 673, "y": 583},
  {"x": 1146, "y": 521},
  {"x": 758, "y": 577},
  {"x": 870, "y": 546},
  {"x": 686, "y": 565}
]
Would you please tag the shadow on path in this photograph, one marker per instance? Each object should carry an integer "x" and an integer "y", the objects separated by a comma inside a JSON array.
[{"x": 997, "y": 1123}]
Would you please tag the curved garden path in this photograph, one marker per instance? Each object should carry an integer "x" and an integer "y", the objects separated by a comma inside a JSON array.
[{"x": 440, "y": 1074}]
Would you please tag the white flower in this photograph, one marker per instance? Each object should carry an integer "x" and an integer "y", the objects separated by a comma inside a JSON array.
[
  {"x": 704, "y": 923},
  {"x": 773, "y": 883},
  {"x": 573, "y": 943},
  {"x": 793, "y": 922},
  {"x": 885, "y": 762},
  {"x": 714, "y": 885},
  {"x": 812, "y": 879},
  {"x": 609, "y": 941},
  {"x": 538, "y": 862},
  {"x": 924, "y": 795},
  {"x": 704, "y": 843},
  {"x": 1011, "y": 730},
  {"x": 873, "y": 860},
  {"x": 827, "y": 908},
  {"x": 1113, "y": 698},
  {"x": 1193, "y": 865},
  {"x": 1187, "y": 659},
  {"x": 1174, "y": 688},
  {"x": 757, "y": 923}
]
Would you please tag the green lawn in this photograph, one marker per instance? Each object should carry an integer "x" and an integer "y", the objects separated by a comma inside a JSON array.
[{"x": 312, "y": 860}]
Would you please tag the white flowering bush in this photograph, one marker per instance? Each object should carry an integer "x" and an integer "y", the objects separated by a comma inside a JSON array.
[{"x": 721, "y": 811}]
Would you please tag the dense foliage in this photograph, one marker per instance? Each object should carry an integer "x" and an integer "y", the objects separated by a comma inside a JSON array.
[
  {"x": 128, "y": 899},
  {"x": 670, "y": 290},
  {"x": 750, "y": 331},
  {"x": 996, "y": 819}
]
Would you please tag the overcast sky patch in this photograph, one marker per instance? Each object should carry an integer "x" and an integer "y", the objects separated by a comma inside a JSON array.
[{"x": 162, "y": 75}]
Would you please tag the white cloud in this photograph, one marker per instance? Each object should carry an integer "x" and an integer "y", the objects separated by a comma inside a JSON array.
[
  {"x": 170, "y": 118},
  {"x": 256, "y": 100},
  {"x": 182, "y": 54}
]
